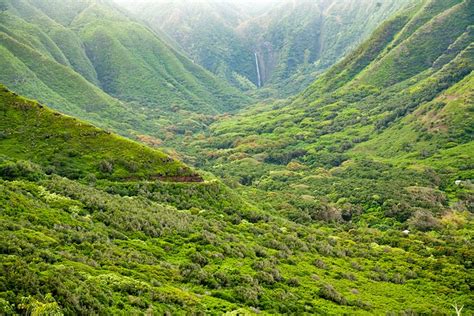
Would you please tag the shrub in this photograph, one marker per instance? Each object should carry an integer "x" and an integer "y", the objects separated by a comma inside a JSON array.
[
  {"x": 199, "y": 259},
  {"x": 397, "y": 278},
  {"x": 248, "y": 295},
  {"x": 21, "y": 169},
  {"x": 328, "y": 292},
  {"x": 35, "y": 307},
  {"x": 424, "y": 221},
  {"x": 264, "y": 278},
  {"x": 106, "y": 166},
  {"x": 293, "y": 282},
  {"x": 320, "y": 264},
  {"x": 326, "y": 213}
]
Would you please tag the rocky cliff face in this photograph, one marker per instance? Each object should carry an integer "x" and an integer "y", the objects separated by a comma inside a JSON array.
[{"x": 267, "y": 60}]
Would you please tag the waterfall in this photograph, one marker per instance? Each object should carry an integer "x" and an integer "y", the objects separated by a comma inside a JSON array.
[{"x": 259, "y": 81}]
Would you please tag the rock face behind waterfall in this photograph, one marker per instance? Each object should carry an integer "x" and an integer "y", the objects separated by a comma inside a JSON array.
[{"x": 267, "y": 59}]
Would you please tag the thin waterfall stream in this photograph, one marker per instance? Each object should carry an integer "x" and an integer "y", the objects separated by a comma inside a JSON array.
[{"x": 259, "y": 81}]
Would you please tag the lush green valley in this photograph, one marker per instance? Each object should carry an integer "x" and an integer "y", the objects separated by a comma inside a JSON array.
[{"x": 353, "y": 197}]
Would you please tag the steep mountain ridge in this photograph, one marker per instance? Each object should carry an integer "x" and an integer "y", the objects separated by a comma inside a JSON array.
[
  {"x": 429, "y": 42},
  {"x": 306, "y": 34},
  {"x": 65, "y": 43},
  {"x": 75, "y": 149},
  {"x": 205, "y": 30},
  {"x": 88, "y": 66}
]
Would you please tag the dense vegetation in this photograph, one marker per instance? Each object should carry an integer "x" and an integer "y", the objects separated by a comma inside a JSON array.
[
  {"x": 205, "y": 30},
  {"x": 383, "y": 139},
  {"x": 97, "y": 246},
  {"x": 352, "y": 197}
]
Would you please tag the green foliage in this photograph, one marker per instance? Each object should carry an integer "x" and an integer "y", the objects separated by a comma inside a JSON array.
[
  {"x": 210, "y": 40},
  {"x": 102, "y": 253},
  {"x": 169, "y": 83},
  {"x": 309, "y": 37},
  {"x": 37, "y": 308},
  {"x": 347, "y": 150},
  {"x": 98, "y": 246},
  {"x": 20, "y": 170},
  {"x": 422, "y": 48},
  {"x": 328, "y": 292}
]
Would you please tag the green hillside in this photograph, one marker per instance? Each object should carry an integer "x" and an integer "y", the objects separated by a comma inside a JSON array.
[
  {"x": 206, "y": 31},
  {"x": 27, "y": 70},
  {"x": 102, "y": 66},
  {"x": 74, "y": 149},
  {"x": 302, "y": 38},
  {"x": 125, "y": 57}
]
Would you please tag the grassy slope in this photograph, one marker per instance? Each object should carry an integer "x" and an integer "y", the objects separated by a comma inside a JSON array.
[
  {"x": 421, "y": 49},
  {"x": 124, "y": 54},
  {"x": 31, "y": 71},
  {"x": 445, "y": 122},
  {"x": 192, "y": 25},
  {"x": 66, "y": 44},
  {"x": 76, "y": 149}
]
